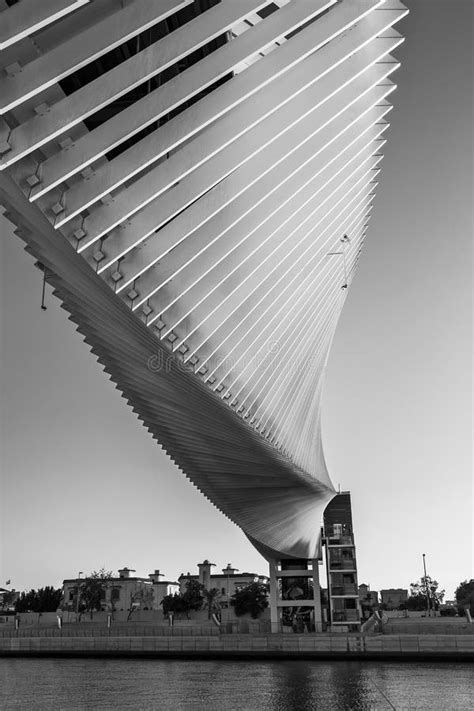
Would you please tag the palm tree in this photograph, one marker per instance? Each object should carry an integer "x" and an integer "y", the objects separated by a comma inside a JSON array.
[{"x": 211, "y": 601}]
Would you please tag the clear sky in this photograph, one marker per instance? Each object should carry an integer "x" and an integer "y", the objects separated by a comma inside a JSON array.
[{"x": 85, "y": 486}]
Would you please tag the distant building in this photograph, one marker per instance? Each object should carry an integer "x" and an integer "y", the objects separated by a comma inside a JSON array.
[
  {"x": 228, "y": 582},
  {"x": 392, "y": 598},
  {"x": 341, "y": 564},
  {"x": 161, "y": 588},
  {"x": 124, "y": 592}
]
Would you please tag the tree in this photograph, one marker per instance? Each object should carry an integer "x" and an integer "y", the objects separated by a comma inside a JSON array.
[
  {"x": 46, "y": 599},
  {"x": 192, "y": 597},
  {"x": 417, "y": 598},
  {"x": 7, "y": 600},
  {"x": 369, "y": 604},
  {"x": 211, "y": 601},
  {"x": 252, "y": 598},
  {"x": 465, "y": 595},
  {"x": 172, "y": 603},
  {"x": 92, "y": 590},
  {"x": 142, "y": 598}
]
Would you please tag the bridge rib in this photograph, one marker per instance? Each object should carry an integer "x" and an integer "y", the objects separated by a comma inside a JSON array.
[
  {"x": 234, "y": 243},
  {"x": 16, "y": 23},
  {"x": 143, "y": 191},
  {"x": 176, "y": 91},
  {"x": 314, "y": 123}
]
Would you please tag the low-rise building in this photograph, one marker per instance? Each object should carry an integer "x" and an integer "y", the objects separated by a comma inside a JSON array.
[
  {"x": 392, "y": 598},
  {"x": 124, "y": 592},
  {"x": 228, "y": 582}
]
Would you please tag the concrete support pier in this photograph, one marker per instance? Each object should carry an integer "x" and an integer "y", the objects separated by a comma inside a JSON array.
[{"x": 295, "y": 596}]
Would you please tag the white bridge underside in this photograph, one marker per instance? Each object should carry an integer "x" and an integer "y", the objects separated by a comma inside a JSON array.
[{"x": 196, "y": 180}]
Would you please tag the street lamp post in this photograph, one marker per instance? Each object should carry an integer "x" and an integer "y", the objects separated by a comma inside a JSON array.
[{"x": 428, "y": 612}]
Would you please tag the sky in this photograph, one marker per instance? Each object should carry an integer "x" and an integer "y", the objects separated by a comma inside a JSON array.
[{"x": 85, "y": 486}]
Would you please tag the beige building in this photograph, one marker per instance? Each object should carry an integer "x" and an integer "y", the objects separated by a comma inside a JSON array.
[
  {"x": 392, "y": 598},
  {"x": 124, "y": 592},
  {"x": 228, "y": 582}
]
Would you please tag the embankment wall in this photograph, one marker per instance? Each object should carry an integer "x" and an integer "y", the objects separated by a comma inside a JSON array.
[{"x": 401, "y": 647}]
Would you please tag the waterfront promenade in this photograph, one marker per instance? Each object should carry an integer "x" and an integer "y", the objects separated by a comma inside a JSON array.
[{"x": 411, "y": 638}]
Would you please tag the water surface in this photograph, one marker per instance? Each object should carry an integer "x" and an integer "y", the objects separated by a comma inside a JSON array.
[{"x": 76, "y": 684}]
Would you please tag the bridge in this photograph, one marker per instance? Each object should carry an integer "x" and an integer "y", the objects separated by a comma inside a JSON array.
[{"x": 195, "y": 181}]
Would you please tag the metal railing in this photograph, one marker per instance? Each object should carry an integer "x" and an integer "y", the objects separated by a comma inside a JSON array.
[{"x": 135, "y": 630}]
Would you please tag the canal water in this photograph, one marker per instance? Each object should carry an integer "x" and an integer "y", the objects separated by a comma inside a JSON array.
[{"x": 76, "y": 684}]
